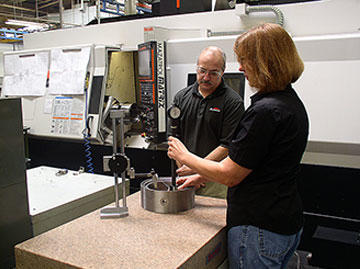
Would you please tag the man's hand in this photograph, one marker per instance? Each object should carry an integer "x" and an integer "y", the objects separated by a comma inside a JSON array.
[
  {"x": 195, "y": 180},
  {"x": 184, "y": 171}
]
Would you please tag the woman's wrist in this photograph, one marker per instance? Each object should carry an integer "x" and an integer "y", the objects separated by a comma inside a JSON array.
[{"x": 184, "y": 158}]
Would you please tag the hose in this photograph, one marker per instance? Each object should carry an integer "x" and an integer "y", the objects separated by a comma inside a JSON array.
[
  {"x": 277, "y": 11},
  {"x": 89, "y": 163},
  {"x": 87, "y": 135}
]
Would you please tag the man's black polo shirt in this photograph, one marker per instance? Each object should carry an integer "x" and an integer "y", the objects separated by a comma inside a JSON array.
[
  {"x": 270, "y": 140},
  {"x": 207, "y": 123}
]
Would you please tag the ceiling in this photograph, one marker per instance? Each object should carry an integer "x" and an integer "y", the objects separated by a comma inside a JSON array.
[{"x": 30, "y": 10}]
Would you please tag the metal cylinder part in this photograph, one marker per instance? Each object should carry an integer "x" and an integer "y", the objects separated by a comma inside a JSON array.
[{"x": 164, "y": 199}]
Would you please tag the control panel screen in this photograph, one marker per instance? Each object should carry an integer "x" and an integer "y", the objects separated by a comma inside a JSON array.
[{"x": 144, "y": 63}]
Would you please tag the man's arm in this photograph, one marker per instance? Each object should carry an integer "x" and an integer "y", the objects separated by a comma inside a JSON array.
[
  {"x": 218, "y": 154},
  {"x": 226, "y": 172}
]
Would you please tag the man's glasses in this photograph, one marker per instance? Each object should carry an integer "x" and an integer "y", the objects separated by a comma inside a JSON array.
[{"x": 212, "y": 73}]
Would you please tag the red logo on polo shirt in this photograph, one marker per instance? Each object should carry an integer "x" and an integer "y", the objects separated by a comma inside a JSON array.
[{"x": 215, "y": 109}]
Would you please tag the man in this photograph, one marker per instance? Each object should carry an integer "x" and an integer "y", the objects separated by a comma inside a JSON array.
[{"x": 211, "y": 111}]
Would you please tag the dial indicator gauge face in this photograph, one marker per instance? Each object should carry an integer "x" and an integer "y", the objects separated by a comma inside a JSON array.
[{"x": 174, "y": 112}]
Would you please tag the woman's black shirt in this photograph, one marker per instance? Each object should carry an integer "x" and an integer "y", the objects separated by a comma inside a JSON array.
[{"x": 270, "y": 140}]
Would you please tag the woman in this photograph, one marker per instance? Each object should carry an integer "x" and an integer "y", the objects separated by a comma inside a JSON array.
[{"x": 264, "y": 214}]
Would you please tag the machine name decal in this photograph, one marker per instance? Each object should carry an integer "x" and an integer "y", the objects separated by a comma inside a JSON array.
[{"x": 161, "y": 87}]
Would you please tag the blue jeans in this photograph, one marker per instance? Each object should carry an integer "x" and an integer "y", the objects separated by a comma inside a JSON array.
[{"x": 250, "y": 247}]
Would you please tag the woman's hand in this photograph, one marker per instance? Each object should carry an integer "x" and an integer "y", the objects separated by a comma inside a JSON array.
[
  {"x": 196, "y": 180},
  {"x": 176, "y": 150}
]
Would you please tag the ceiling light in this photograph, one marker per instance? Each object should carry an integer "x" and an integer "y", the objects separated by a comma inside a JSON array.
[{"x": 25, "y": 23}]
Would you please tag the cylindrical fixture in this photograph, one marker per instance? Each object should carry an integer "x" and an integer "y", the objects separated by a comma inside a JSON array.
[
  {"x": 164, "y": 199},
  {"x": 61, "y": 12}
]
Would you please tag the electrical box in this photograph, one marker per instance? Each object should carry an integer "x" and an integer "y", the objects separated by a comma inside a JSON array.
[{"x": 15, "y": 220}]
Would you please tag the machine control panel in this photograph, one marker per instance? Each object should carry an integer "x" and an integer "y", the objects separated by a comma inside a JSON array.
[{"x": 152, "y": 80}]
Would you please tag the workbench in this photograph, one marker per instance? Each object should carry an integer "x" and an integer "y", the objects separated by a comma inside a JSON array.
[
  {"x": 57, "y": 196},
  {"x": 192, "y": 239}
]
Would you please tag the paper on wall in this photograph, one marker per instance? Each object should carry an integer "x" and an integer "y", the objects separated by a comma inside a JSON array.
[
  {"x": 68, "y": 69},
  {"x": 25, "y": 74},
  {"x": 67, "y": 116}
]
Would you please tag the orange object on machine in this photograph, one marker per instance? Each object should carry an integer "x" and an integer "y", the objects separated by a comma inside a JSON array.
[
  {"x": 177, "y": 3},
  {"x": 47, "y": 79}
]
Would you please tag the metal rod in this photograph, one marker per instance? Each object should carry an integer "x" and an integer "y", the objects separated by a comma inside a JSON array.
[
  {"x": 116, "y": 186},
  {"x": 331, "y": 217},
  {"x": 20, "y": 8},
  {"x": 116, "y": 189},
  {"x": 48, "y": 4},
  {"x": 36, "y": 9},
  {"x": 122, "y": 151},
  {"x": 61, "y": 14},
  {"x": 122, "y": 134},
  {"x": 114, "y": 136},
  {"x": 98, "y": 11},
  {"x": 173, "y": 174},
  {"x": 123, "y": 185}
]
